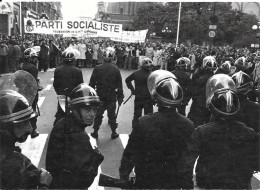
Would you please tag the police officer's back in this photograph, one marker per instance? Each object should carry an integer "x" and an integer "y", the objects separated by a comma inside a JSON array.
[
  {"x": 249, "y": 111},
  {"x": 158, "y": 140},
  {"x": 198, "y": 112},
  {"x": 66, "y": 77},
  {"x": 184, "y": 79},
  {"x": 106, "y": 79},
  {"x": 228, "y": 150},
  {"x": 143, "y": 99}
]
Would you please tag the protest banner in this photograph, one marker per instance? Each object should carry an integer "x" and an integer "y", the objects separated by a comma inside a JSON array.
[
  {"x": 89, "y": 28},
  {"x": 131, "y": 36}
]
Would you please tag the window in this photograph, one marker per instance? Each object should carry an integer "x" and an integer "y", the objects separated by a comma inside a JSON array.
[{"x": 121, "y": 10}]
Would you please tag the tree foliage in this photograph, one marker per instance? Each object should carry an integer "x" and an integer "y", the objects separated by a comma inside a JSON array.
[{"x": 233, "y": 27}]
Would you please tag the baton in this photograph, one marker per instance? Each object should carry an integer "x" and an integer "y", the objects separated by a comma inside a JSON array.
[
  {"x": 38, "y": 110},
  {"x": 117, "y": 111},
  {"x": 128, "y": 99}
]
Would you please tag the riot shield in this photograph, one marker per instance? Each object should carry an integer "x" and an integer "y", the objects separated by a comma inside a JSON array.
[{"x": 21, "y": 82}]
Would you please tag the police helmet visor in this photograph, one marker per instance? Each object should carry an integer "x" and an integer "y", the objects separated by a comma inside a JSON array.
[
  {"x": 83, "y": 95},
  {"x": 169, "y": 91},
  {"x": 217, "y": 83},
  {"x": 225, "y": 102}
]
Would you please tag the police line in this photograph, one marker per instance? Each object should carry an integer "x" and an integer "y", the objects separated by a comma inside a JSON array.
[{"x": 90, "y": 28}]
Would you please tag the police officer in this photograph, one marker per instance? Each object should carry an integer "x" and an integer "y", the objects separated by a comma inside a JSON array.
[
  {"x": 227, "y": 149},
  {"x": 17, "y": 171},
  {"x": 182, "y": 64},
  {"x": 198, "y": 112},
  {"x": 28, "y": 65},
  {"x": 250, "y": 111},
  {"x": 70, "y": 157},
  {"x": 159, "y": 139},
  {"x": 66, "y": 77},
  {"x": 143, "y": 99},
  {"x": 107, "y": 80}
]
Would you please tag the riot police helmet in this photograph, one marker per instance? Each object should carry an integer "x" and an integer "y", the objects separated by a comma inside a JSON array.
[
  {"x": 242, "y": 64},
  {"x": 84, "y": 95},
  {"x": 209, "y": 63},
  {"x": 14, "y": 107},
  {"x": 164, "y": 88},
  {"x": 183, "y": 62},
  {"x": 244, "y": 82},
  {"x": 108, "y": 54},
  {"x": 69, "y": 54},
  {"x": 146, "y": 63},
  {"x": 221, "y": 95},
  {"x": 224, "y": 68},
  {"x": 84, "y": 103}
]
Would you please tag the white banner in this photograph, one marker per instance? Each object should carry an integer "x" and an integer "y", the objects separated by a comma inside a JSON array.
[
  {"x": 131, "y": 36},
  {"x": 88, "y": 28}
]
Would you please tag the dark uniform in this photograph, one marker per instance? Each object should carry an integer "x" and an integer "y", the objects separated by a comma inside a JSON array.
[
  {"x": 249, "y": 113},
  {"x": 16, "y": 170},
  {"x": 186, "y": 84},
  {"x": 199, "y": 114},
  {"x": 79, "y": 153},
  {"x": 106, "y": 79},
  {"x": 66, "y": 77},
  {"x": 30, "y": 68},
  {"x": 228, "y": 150},
  {"x": 142, "y": 96},
  {"x": 154, "y": 149},
  {"x": 159, "y": 139},
  {"x": 43, "y": 58},
  {"x": 227, "y": 156}
]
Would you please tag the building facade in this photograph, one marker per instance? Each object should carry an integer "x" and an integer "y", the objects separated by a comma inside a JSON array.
[
  {"x": 12, "y": 15},
  {"x": 118, "y": 12}
]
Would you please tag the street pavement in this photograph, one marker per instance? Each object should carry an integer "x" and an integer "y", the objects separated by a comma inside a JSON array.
[{"x": 112, "y": 150}]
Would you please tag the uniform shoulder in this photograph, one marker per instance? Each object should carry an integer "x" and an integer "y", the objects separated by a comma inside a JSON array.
[{"x": 148, "y": 117}]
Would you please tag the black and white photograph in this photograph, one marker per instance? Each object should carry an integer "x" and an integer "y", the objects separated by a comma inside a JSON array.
[{"x": 107, "y": 95}]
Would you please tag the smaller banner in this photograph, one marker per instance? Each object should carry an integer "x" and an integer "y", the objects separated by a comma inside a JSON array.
[
  {"x": 70, "y": 28},
  {"x": 131, "y": 36}
]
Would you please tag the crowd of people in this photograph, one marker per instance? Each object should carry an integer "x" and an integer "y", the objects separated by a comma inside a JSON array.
[{"x": 221, "y": 129}]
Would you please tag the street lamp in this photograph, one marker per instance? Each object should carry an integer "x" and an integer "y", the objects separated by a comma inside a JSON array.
[
  {"x": 256, "y": 28},
  {"x": 166, "y": 30}
]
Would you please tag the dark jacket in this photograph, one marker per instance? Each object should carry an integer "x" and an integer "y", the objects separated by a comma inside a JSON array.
[
  {"x": 77, "y": 161},
  {"x": 30, "y": 68},
  {"x": 186, "y": 84},
  {"x": 140, "y": 79},
  {"x": 106, "y": 79},
  {"x": 154, "y": 149},
  {"x": 66, "y": 76},
  {"x": 249, "y": 113},
  {"x": 16, "y": 170},
  {"x": 228, "y": 154}
]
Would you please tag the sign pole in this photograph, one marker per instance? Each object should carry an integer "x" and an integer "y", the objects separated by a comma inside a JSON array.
[{"x": 178, "y": 28}]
